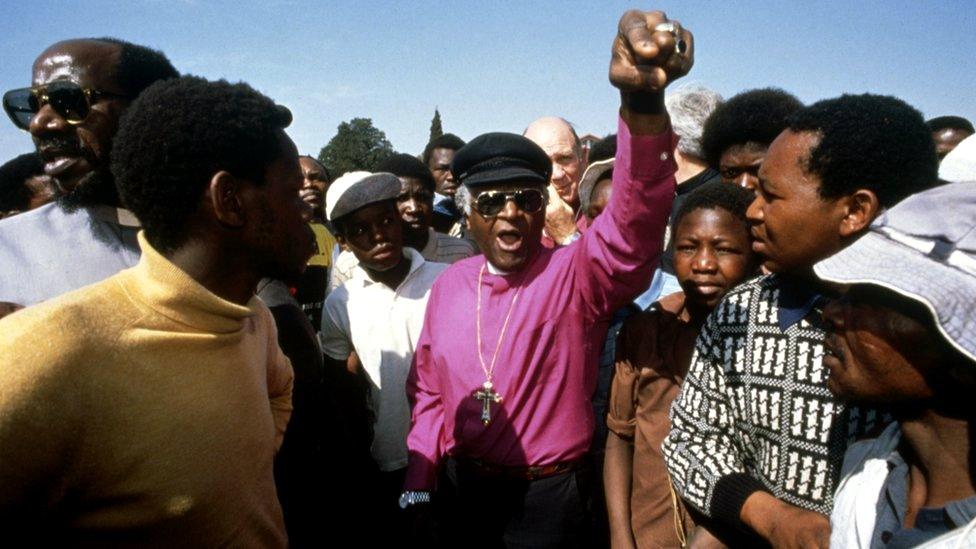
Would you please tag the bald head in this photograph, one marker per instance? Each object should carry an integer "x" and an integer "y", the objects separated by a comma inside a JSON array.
[
  {"x": 78, "y": 60},
  {"x": 556, "y": 136},
  {"x": 76, "y": 153}
]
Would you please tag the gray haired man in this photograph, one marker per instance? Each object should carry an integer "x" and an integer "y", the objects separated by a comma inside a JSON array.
[
  {"x": 688, "y": 108},
  {"x": 908, "y": 342}
]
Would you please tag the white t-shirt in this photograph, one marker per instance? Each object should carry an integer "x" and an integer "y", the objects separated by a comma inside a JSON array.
[{"x": 383, "y": 327}]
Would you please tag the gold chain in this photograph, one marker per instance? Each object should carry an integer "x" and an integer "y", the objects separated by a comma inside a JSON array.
[{"x": 491, "y": 369}]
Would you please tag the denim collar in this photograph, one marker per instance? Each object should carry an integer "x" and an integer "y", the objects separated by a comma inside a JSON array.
[{"x": 797, "y": 299}]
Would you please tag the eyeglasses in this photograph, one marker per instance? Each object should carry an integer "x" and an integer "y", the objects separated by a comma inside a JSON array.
[
  {"x": 490, "y": 203},
  {"x": 71, "y": 101}
]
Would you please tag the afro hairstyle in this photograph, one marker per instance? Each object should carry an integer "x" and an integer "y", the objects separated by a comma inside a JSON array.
[
  {"x": 717, "y": 195},
  {"x": 874, "y": 142},
  {"x": 604, "y": 149},
  {"x": 14, "y": 194},
  {"x": 404, "y": 165},
  {"x": 139, "y": 66},
  {"x": 940, "y": 123},
  {"x": 446, "y": 141},
  {"x": 754, "y": 116},
  {"x": 176, "y": 135}
]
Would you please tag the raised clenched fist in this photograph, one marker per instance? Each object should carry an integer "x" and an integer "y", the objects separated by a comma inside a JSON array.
[{"x": 650, "y": 52}]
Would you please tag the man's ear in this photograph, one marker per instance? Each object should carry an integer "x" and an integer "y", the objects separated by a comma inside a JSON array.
[
  {"x": 224, "y": 194},
  {"x": 860, "y": 210}
]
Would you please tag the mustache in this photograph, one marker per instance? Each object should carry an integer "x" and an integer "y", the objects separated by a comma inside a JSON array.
[{"x": 61, "y": 144}]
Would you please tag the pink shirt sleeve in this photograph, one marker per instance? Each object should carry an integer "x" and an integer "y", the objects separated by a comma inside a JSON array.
[{"x": 613, "y": 262}]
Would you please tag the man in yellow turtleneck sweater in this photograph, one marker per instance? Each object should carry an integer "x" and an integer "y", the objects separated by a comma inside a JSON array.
[{"x": 146, "y": 410}]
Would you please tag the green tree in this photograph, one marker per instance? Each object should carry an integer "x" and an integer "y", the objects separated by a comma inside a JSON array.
[
  {"x": 435, "y": 126},
  {"x": 357, "y": 145}
]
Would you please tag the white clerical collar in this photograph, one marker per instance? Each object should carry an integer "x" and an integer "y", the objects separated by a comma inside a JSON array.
[{"x": 495, "y": 270}]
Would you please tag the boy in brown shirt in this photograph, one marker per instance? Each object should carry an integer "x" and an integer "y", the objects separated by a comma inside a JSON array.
[{"x": 713, "y": 254}]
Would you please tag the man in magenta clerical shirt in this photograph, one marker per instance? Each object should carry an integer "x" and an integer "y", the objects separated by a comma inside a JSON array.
[{"x": 506, "y": 364}]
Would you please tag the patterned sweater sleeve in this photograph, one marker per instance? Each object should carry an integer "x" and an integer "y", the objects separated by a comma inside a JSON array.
[{"x": 702, "y": 453}]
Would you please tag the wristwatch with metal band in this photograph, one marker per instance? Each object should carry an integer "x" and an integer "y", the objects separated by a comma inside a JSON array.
[{"x": 410, "y": 497}]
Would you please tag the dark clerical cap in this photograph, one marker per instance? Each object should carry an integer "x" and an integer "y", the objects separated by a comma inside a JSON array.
[
  {"x": 355, "y": 190},
  {"x": 500, "y": 158}
]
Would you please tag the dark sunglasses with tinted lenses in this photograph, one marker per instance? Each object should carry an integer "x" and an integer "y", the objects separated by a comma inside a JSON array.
[
  {"x": 490, "y": 203},
  {"x": 71, "y": 101}
]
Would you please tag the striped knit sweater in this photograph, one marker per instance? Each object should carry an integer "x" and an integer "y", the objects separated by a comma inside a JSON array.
[{"x": 755, "y": 412}]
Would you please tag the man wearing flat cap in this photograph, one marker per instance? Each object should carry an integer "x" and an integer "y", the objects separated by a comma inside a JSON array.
[
  {"x": 377, "y": 314},
  {"x": 503, "y": 373}
]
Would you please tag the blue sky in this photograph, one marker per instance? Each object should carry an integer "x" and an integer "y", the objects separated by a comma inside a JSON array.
[{"x": 495, "y": 66}]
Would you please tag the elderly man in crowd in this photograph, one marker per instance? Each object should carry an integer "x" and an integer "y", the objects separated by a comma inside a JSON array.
[
  {"x": 501, "y": 406},
  {"x": 688, "y": 108},
  {"x": 907, "y": 342},
  {"x": 564, "y": 220},
  {"x": 80, "y": 90},
  {"x": 157, "y": 424}
]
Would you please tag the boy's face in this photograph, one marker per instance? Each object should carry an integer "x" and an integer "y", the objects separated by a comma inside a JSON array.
[
  {"x": 792, "y": 225},
  {"x": 712, "y": 254},
  {"x": 374, "y": 234}
]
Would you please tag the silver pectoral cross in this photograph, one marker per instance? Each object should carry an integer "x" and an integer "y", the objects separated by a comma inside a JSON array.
[{"x": 487, "y": 395}]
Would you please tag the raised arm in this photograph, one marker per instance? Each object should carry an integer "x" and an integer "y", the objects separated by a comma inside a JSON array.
[{"x": 615, "y": 259}]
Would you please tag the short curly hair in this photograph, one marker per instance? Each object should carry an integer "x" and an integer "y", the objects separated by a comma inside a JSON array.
[
  {"x": 754, "y": 116},
  {"x": 874, "y": 142},
  {"x": 940, "y": 123},
  {"x": 14, "y": 194},
  {"x": 446, "y": 141},
  {"x": 405, "y": 165},
  {"x": 689, "y": 107},
  {"x": 139, "y": 66},
  {"x": 731, "y": 198},
  {"x": 176, "y": 135}
]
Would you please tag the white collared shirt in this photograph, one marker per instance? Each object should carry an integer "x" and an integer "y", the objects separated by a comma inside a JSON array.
[{"x": 382, "y": 326}]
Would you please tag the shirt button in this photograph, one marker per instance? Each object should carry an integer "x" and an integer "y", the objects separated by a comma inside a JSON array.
[
  {"x": 886, "y": 536},
  {"x": 664, "y": 156}
]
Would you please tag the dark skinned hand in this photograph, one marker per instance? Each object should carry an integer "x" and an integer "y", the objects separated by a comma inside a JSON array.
[
  {"x": 798, "y": 528},
  {"x": 645, "y": 59},
  {"x": 784, "y": 525}
]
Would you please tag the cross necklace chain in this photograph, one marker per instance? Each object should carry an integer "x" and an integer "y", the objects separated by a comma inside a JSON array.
[{"x": 487, "y": 394}]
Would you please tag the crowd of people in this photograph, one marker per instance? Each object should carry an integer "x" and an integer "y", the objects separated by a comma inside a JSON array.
[{"x": 739, "y": 322}]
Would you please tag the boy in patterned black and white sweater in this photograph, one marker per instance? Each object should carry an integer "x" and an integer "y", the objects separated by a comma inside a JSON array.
[{"x": 757, "y": 439}]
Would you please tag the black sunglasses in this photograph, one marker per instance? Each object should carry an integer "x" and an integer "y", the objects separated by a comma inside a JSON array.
[
  {"x": 71, "y": 101},
  {"x": 490, "y": 203}
]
